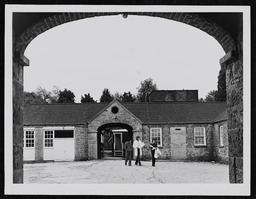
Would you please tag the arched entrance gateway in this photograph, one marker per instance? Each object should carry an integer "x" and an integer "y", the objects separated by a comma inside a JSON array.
[
  {"x": 111, "y": 139},
  {"x": 110, "y": 129},
  {"x": 226, "y": 28}
]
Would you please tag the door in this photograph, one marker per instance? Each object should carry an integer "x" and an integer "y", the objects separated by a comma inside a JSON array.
[
  {"x": 64, "y": 149},
  {"x": 118, "y": 149},
  {"x": 64, "y": 145},
  {"x": 29, "y": 145},
  {"x": 178, "y": 143}
]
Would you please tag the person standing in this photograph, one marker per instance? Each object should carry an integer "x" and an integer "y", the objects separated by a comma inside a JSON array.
[
  {"x": 137, "y": 145},
  {"x": 128, "y": 152},
  {"x": 153, "y": 147}
]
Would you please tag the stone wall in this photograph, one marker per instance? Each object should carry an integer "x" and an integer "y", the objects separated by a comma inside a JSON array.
[
  {"x": 233, "y": 62},
  {"x": 39, "y": 140},
  {"x": 194, "y": 153},
  {"x": 123, "y": 116},
  {"x": 220, "y": 153},
  {"x": 17, "y": 84},
  {"x": 199, "y": 153},
  {"x": 81, "y": 143},
  {"x": 92, "y": 146}
]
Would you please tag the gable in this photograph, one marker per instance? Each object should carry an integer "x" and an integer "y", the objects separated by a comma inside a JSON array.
[{"x": 115, "y": 112}]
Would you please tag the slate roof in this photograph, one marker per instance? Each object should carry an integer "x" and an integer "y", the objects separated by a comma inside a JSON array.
[
  {"x": 222, "y": 116},
  {"x": 165, "y": 112}
]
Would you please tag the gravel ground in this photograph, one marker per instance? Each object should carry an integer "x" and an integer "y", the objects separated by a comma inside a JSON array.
[{"x": 114, "y": 171}]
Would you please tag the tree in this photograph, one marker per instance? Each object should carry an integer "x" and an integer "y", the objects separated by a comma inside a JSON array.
[
  {"x": 66, "y": 96},
  {"x": 128, "y": 97},
  {"x": 117, "y": 96},
  {"x": 211, "y": 96},
  {"x": 32, "y": 98},
  {"x": 221, "y": 95},
  {"x": 87, "y": 98},
  {"x": 146, "y": 87},
  {"x": 106, "y": 97},
  {"x": 42, "y": 92},
  {"x": 48, "y": 96},
  {"x": 201, "y": 100}
]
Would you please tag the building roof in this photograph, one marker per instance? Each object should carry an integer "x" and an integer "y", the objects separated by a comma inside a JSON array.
[
  {"x": 164, "y": 112},
  {"x": 223, "y": 116}
]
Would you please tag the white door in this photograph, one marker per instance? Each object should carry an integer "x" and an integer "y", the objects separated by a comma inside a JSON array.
[
  {"x": 29, "y": 145},
  {"x": 64, "y": 149},
  {"x": 29, "y": 154},
  {"x": 178, "y": 143}
]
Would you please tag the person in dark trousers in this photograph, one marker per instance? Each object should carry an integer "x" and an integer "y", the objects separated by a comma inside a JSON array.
[
  {"x": 153, "y": 147},
  {"x": 137, "y": 145},
  {"x": 128, "y": 152}
]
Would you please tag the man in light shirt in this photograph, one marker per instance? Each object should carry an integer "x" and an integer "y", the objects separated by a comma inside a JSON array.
[{"x": 137, "y": 145}]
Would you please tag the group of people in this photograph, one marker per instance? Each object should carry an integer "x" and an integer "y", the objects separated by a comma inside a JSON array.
[{"x": 137, "y": 146}]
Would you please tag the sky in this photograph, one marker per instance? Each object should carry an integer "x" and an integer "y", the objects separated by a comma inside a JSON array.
[{"x": 88, "y": 55}]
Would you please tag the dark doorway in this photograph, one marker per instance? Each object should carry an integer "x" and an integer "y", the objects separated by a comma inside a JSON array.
[{"x": 111, "y": 140}]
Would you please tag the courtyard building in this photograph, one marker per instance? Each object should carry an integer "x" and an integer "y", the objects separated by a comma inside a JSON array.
[{"x": 185, "y": 129}]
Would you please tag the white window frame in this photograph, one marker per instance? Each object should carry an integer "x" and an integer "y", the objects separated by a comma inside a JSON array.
[
  {"x": 53, "y": 133},
  {"x": 161, "y": 136},
  {"x": 25, "y": 138},
  {"x": 195, "y": 131},
  {"x": 221, "y": 135}
]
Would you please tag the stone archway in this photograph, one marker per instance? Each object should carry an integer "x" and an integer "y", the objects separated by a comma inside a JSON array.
[
  {"x": 113, "y": 115},
  {"x": 232, "y": 62},
  {"x": 195, "y": 20},
  {"x": 107, "y": 142}
]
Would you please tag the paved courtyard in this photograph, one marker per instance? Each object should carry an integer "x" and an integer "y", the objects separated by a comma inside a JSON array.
[{"x": 114, "y": 171}]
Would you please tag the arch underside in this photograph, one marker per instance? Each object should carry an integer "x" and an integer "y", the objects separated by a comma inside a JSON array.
[
  {"x": 210, "y": 27},
  {"x": 115, "y": 126}
]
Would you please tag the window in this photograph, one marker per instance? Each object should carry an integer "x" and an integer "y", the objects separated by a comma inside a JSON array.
[
  {"x": 29, "y": 139},
  {"x": 156, "y": 133},
  {"x": 64, "y": 133},
  {"x": 48, "y": 138},
  {"x": 199, "y": 136},
  {"x": 222, "y": 131},
  {"x": 114, "y": 109}
]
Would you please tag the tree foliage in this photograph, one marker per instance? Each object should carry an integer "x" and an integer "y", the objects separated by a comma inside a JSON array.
[
  {"x": 117, "y": 96},
  {"x": 106, "y": 97},
  {"x": 41, "y": 96},
  {"x": 49, "y": 96},
  {"x": 66, "y": 96},
  {"x": 87, "y": 98},
  {"x": 32, "y": 98},
  {"x": 211, "y": 96},
  {"x": 146, "y": 87},
  {"x": 221, "y": 95},
  {"x": 128, "y": 97},
  {"x": 125, "y": 97}
]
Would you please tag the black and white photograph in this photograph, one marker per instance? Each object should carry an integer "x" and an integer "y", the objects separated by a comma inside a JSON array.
[{"x": 127, "y": 100}]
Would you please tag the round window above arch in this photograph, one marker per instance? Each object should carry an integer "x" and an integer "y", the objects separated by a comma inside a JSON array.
[{"x": 114, "y": 109}]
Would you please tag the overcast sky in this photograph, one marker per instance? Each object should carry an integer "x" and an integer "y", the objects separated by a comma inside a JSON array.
[{"x": 111, "y": 52}]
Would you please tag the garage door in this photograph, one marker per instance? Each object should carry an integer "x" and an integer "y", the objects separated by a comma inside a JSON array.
[{"x": 64, "y": 145}]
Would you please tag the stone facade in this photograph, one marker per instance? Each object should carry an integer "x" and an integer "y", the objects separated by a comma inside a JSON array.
[
  {"x": 81, "y": 143},
  {"x": 86, "y": 142},
  {"x": 39, "y": 140},
  {"x": 123, "y": 116},
  {"x": 194, "y": 153},
  {"x": 220, "y": 153},
  {"x": 233, "y": 63}
]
